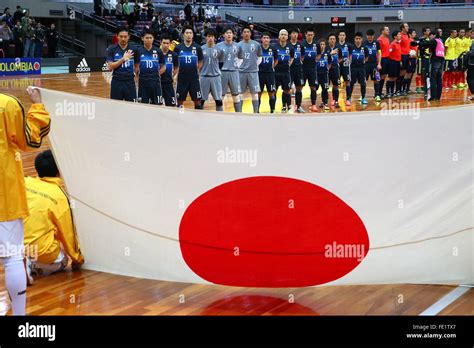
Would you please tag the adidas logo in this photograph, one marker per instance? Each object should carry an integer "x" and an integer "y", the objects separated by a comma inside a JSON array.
[
  {"x": 83, "y": 66},
  {"x": 105, "y": 67}
]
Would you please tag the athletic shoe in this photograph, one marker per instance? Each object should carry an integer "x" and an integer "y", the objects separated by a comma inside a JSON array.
[
  {"x": 404, "y": 93},
  {"x": 364, "y": 101},
  {"x": 397, "y": 94},
  {"x": 348, "y": 102},
  {"x": 389, "y": 95},
  {"x": 336, "y": 104},
  {"x": 454, "y": 86},
  {"x": 326, "y": 107},
  {"x": 461, "y": 85},
  {"x": 29, "y": 271},
  {"x": 283, "y": 110},
  {"x": 300, "y": 110},
  {"x": 313, "y": 108},
  {"x": 360, "y": 99},
  {"x": 419, "y": 90},
  {"x": 378, "y": 99}
]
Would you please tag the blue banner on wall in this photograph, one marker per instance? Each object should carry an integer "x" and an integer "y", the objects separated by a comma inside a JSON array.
[{"x": 20, "y": 66}]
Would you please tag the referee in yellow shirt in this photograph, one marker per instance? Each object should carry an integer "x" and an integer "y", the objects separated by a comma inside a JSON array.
[
  {"x": 19, "y": 130},
  {"x": 49, "y": 230}
]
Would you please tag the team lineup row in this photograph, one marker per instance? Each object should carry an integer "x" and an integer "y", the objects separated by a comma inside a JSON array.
[{"x": 216, "y": 68}]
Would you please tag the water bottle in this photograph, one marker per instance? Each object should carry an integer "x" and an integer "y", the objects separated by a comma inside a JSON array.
[{"x": 377, "y": 75}]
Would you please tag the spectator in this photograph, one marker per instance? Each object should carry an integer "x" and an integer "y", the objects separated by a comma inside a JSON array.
[
  {"x": 18, "y": 39},
  {"x": 150, "y": 9},
  {"x": 52, "y": 38},
  {"x": 98, "y": 7},
  {"x": 119, "y": 9},
  {"x": 18, "y": 15},
  {"x": 252, "y": 31},
  {"x": 28, "y": 38},
  {"x": 143, "y": 13},
  {"x": 115, "y": 39},
  {"x": 188, "y": 12},
  {"x": 128, "y": 12},
  {"x": 6, "y": 37},
  {"x": 7, "y": 17},
  {"x": 39, "y": 40},
  {"x": 26, "y": 18},
  {"x": 107, "y": 7}
]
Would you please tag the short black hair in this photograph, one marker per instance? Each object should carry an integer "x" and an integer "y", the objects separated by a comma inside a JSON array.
[
  {"x": 148, "y": 31},
  {"x": 309, "y": 29},
  {"x": 227, "y": 28},
  {"x": 370, "y": 32},
  {"x": 45, "y": 165},
  {"x": 122, "y": 28},
  {"x": 166, "y": 37},
  {"x": 395, "y": 33},
  {"x": 358, "y": 34},
  {"x": 210, "y": 32},
  {"x": 411, "y": 31},
  {"x": 332, "y": 34},
  {"x": 266, "y": 33},
  {"x": 382, "y": 28},
  {"x": 188, "y": 27},
  {"x": 246, "y": 27},
  {"x": 294, "y": 30},
  {"x": 341, "y": 31},
  {"x": 425, "y": 29}
]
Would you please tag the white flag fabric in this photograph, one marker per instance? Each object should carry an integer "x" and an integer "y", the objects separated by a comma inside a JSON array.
[{"x": 270, "y": 201}]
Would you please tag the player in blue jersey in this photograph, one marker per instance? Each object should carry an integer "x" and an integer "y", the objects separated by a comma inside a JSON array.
[
  {"x": 334, "y": 70},
  {"x": 266, "y": 70},
  {"x": 374, "y": 62},
  {"x": 168, "y": 75},
  {"x": 282, "y": 70},
  {"x": 345, "y": 63},
  {"x": 296, "y": 71},
  {"x": 189, "y": 63},
  {"x": 359, "y": 58},
  {"x": 311, "y": 53},
  {"x": 149, "y": 69},
  {"x": 322, "y": 67},
  {"x": 121, "y": 59}
]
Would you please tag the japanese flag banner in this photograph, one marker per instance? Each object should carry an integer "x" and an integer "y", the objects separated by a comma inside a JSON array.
[{"x": 266, "y": 200}]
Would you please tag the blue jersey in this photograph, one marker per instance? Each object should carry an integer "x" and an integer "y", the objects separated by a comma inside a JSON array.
[
  {"x": 126, "y": 70},
  {"x": 188, "y": 58},
  {"x": 324, "y": 61},
  {"x": 310, "y": 52},
  {"x": 358, "y": 56},
  {"x": 269, "y": 55},
  {"x": 298, "y": 49},
  {"x": 346, "y": 51},
  {"x": 171, "y": 63},
  {"x": 335, "y": 57},
  {"x": 150, "y": 63},
  {"x": 372, "y": 49},
  {"x": 285, "y": 53}
]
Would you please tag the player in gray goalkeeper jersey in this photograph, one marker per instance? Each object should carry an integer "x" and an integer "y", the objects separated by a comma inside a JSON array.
[
  {"x": 252, "y": 53},
  {"x": 230, "y": 68},
  {"x": 210, "y": 75}
]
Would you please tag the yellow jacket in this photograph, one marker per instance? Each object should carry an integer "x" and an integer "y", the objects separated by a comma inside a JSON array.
[
  {"x": 451, "y": 48},
  {"x": 465, "y": 45},
  {"x": 18, "y": 131},
  {"x": 50, "y": 221}
]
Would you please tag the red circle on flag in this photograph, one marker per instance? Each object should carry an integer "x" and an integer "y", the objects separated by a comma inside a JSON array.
[
  {"x": 271, "y": 231},
  {"x": 36, "y": 66}
]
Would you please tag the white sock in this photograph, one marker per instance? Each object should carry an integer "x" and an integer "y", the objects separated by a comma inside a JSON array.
[{"x": 15, "y": 279}]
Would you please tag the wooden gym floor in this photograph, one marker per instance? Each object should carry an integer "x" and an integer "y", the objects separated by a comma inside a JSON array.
[{"x": 86, "y": 292}]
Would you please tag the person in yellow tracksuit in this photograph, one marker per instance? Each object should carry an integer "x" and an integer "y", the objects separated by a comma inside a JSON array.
[
  {"x": 50, "y": 235},
  {"x": 463, "y": 47},
  {"x": 19, "y": 130},
  {"x": 450, "y": 45}
]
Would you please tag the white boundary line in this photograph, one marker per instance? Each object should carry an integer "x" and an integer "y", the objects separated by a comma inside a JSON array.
[{"x": 445, "y": 301}]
